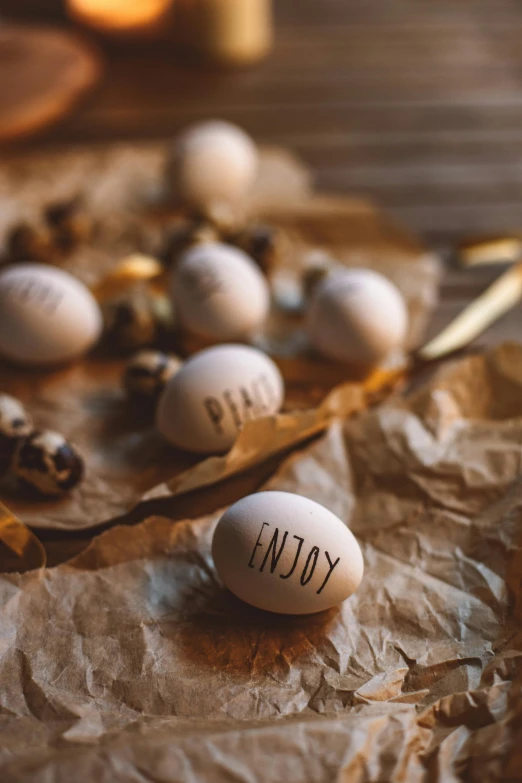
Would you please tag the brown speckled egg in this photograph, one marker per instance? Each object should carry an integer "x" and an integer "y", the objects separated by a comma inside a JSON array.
[
  {"x": 262, "y": 243},
  {"x": 48, "y": 463},
  {"x": 135, "y": 319},
  {"x": 15, "y": 424},
  {"x": 70, "y": 223},
  {"x": 147, "y": 373},
  {"x": 182, "y": 236}
]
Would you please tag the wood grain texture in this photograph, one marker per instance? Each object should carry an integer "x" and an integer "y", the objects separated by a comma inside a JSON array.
[
  {"x": 43, "y": 73},
  {"x": 415, "y": 103}
]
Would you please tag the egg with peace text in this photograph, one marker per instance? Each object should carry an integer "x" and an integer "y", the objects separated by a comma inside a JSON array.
[
  {"x": 212, "y": 163},
  {"x": 47, "y": 316},
  {"x": 357, "y": 316},
  {"x": 207, "y": 403},
  {"x": 286, "y": 554},
  {"x": 219, "y": 293}
]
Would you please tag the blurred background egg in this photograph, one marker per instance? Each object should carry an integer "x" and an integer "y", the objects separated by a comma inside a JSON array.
[
  {"x": 357, "y": 316},
  {"x": 219, "y": 292},
  {"x": 47, "y": 316},
  {"x": 212, "y": 163}
]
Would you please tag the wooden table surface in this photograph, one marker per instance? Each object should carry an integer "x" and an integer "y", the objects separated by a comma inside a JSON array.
[{"x": 415, "y": 103}]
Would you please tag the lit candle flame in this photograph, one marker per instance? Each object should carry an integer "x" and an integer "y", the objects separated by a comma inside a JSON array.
[{"x": 119, "y": 15}]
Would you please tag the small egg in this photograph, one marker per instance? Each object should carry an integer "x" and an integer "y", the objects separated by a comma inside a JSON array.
[
  {"x": 219, "y": 293},
  {"x": 70, "y": 223},
  {"x": 15, "y": 424},
  {"x": 46, "y": 462},
  {"x": 357, "y": 316},
  {"x": 147, "y": 373},
  {"x": 284, "y": 553},
  {"x": 312, "y": 277},
  {"x": 28, "y": 242},
  {"x": 212, "y": 163},
  {"x": 47, "y": 316},
  {"x": 135, "y": 319},
  {"x": 208, "y": 401},
  {"x": 182, "y": 236},
  {"x": 262, "y": 243}
]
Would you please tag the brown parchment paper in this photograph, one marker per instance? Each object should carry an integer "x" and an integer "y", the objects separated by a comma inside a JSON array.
[
  {"x": 132, "y": 663},
  {"x": 123, "y": 189},
  {"x": 124, "y": 454},
  {"x": 125, "y": 458}
]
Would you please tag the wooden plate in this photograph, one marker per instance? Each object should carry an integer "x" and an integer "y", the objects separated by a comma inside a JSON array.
[{"x": 44, "y": 72}]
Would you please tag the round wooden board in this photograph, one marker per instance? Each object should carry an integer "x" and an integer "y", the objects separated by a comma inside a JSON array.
[{"x": 44, "y": 71}]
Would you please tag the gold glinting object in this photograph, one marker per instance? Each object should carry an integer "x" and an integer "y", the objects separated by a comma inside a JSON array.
[
  {"x": 24, "y": 545},
  {"x": 490, "y": 250}
]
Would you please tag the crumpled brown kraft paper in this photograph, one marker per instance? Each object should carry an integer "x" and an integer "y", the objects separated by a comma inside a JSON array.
[
  {"x": 123, "y": 454},
  {"x": 133, "y": 663},
  {"x": 264, "y": 437},
  {"x": 125, "y": 458},
  {"x": 122, "y": 186}
]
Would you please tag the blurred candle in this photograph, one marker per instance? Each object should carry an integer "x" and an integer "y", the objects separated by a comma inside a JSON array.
[
  {"x": 229, "y": 31},
  {"x": 120, "y": 17}
]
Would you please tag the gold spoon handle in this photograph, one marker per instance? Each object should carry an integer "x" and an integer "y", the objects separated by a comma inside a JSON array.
[
  {"x": 500, "y": 297},
  {"x": 20, "y": 541}
]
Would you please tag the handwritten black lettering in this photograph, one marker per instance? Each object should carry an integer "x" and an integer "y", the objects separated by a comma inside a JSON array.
[
  {"x": 251, "y": 561},
  {"x": 289, "y": 574},
  {"x": 328, "y": 575},
  {"x": 215, "y": 412},
  {"x": 201, "y": 280},
  {"x": 258, "y": 397},
  {"x": 227, "y": 396},
  {"x": 314, "y": 553},
  {"x": 274, "y": 551},
  {"x": 30, "y": 291},
  {"x": 249, "y": 410},
  {"x": 272, "y": 547}
]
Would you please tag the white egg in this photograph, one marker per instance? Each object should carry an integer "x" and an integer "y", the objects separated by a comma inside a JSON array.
[
  {"x": 213, "y": 162},
  {"x": 357, "y": 316},
  {"x": 216, "y": 391},
  {"x": 286, "y": 554},
  {"x": 219, "y": 293},
  {"x": 47, "y": 316}
]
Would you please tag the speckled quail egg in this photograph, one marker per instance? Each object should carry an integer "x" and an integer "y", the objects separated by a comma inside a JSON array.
[
  {"x": 185, "y": 235},
  {"x": 70, "y": 222},
  {"x": 135, "y": 319},
  {"x": 147, "y": 373},
  {"x": 15, "y": 424},
  {"x": 262, "y": 243},
  {"x": 48, "y": 463}
]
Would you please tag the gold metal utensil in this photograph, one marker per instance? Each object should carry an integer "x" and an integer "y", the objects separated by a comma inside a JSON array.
[{"x": 20, "y": 541}]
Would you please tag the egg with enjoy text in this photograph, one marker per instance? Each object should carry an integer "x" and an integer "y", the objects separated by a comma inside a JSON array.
[
  {"x": 357, "y": 316},
  {"x": 219, "y": 293},
  {"x": 47, "y": 316},
  {"x": 286, "y": 554},
  {"x": 207, "y": 403}
]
